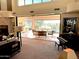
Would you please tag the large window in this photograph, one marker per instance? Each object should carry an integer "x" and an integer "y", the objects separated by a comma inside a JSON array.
[
  {"x": 46, "y": 0},
  {"x": 25, "y": 22},
  {"x": 48, "y": 25},
  {"x": 29, "y": 2},
  {"x": 37, "y": 1}
]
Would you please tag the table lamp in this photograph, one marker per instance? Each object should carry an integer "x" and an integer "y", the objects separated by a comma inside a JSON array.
[{"x": 67, "y": 54}]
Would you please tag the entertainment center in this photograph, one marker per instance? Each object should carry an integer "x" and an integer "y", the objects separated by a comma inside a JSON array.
[{"x": 9, "y": 48}]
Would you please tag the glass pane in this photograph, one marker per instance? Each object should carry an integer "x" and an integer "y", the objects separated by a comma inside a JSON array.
[
  {"x": 27, "y": 2},
  {"x": 36, "y": 1},
  {"x": 48, "y": 25},
  {"x": 20, "y": 2},
  {"x": 46, "y": 0}
]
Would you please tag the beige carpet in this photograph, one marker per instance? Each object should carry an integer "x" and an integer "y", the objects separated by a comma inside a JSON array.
[{"x": 37, "y": 49}]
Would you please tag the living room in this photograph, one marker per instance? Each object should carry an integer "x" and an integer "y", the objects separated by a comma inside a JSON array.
[{"x": 66, "y": 11}]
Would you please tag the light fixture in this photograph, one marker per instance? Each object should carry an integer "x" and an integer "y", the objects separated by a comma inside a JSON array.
[
  {"x": 32, "y": 13},
  {"x": 57, "y": 9}
]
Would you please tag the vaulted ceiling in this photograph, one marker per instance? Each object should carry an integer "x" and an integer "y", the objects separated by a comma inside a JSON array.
[{"x": 54, "y": 7}]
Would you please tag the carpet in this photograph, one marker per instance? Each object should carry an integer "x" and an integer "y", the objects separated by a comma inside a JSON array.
[{"x": 37, "y": 49}]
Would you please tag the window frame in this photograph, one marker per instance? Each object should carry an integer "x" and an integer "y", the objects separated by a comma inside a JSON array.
[{"x": 32, "y": 2}]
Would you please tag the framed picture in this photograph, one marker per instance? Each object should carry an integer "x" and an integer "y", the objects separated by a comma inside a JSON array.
[{"x": 70, "y": 25}]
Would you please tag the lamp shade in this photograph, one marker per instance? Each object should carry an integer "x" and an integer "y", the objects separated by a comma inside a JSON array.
[
  {"x": 18, "y": 28},
  {"x": 67, "y": 54}
]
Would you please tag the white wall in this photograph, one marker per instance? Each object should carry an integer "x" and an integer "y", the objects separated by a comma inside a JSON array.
[{"x": 73, "y": 7}]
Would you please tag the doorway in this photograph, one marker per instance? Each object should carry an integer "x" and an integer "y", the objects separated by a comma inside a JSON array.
[{"x": 26, "y": 24}]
